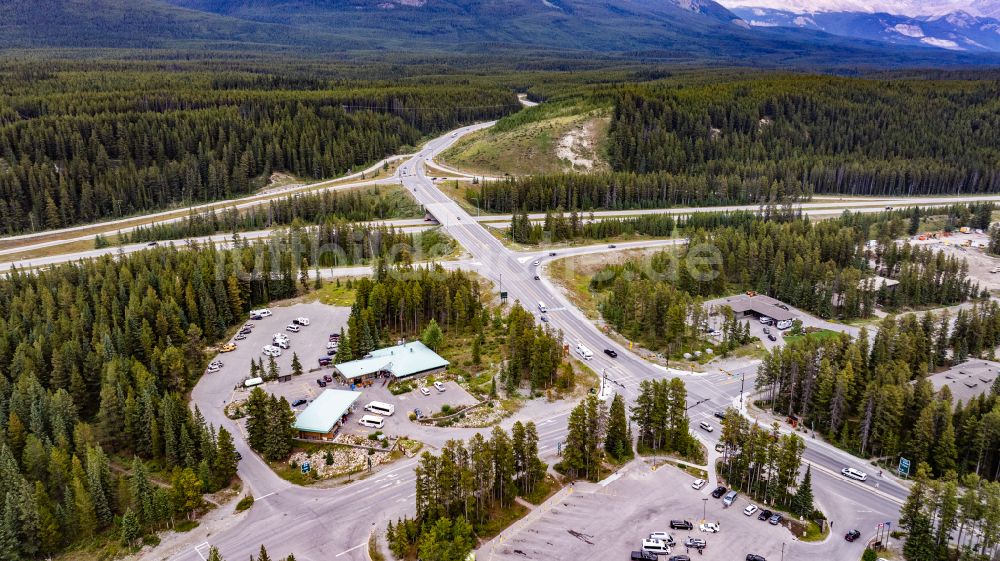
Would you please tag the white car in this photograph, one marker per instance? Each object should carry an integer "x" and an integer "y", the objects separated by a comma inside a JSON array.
[
  {"x": 333, "y": 345},
  {"x": 749, "y": 510},
  {"x": 265, "y": 313},
  {"x": 214, "y": 367},
  {"x": 292, "y": 327},
  {"x": 535, "y": 263},
  {"x": 439, "y": 386},
  {"x": 663, "y": 537},
  {"x": 279, "y": 337},
  {"x": 706, "y": 427},
  {"x": 271, "y": 350},
  {"x": 425, "y": 391},
  {"x": 301, "y": 321},
  {"x": 282, "y": 344},
  {"x": 710, "y": 527},
  {"x": 698, "y": 484}
]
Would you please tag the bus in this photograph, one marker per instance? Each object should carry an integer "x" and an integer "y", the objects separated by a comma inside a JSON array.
[
  {"x": 380, "y": 408},
  {"x": 584, "y": 352}
]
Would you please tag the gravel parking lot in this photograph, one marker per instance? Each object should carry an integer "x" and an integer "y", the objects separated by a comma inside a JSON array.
[{"x": 601, "y": 523}]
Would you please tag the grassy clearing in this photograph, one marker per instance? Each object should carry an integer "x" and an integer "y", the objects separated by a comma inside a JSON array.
[
  {"x": 336, "y": 293},
  {"x": 529, "y": 144},
  {"x": 498, "y": 520}
]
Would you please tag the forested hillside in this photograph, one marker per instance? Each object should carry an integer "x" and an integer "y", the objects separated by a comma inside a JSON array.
[
  {"x": 817, "y": 134},
  {"x": 778, "y": 138},
  {"x": 80, "y": 146}
]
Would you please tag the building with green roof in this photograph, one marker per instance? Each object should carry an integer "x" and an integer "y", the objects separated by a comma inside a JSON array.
[
  {"x": 325, "y": 414},
  {"x": 399, "y": 362}
]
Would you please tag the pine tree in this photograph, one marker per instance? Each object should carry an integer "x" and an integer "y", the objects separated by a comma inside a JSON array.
[
  {"x": 432, "y": 335},
  {"x": 296, "y": 365},
  {"x": 225, "y": 462},
  {"x": 618, "y": 442},
  {"x": 802, "y": 503},
  {"x": 130, "y": 528}
]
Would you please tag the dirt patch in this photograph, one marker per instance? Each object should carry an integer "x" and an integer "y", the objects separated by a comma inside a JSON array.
[{"x": 579, "y": 145}]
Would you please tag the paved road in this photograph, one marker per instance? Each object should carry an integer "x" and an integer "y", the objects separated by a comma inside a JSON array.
[{"x": 325, "y": 524}]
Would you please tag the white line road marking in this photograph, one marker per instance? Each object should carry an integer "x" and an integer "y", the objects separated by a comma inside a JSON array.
[
  {"x": 352, "y": 549},
  {"x": 199, "y": 547},
  {"x": 261, "y": 498}
]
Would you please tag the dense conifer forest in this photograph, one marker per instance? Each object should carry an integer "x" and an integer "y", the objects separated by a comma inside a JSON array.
[{"x": 80, "y": 146}]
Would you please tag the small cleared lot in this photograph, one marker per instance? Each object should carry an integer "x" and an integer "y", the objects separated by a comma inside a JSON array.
[
  {"x": 604, "y": 523},
  {"x": 399, "y": 423}
]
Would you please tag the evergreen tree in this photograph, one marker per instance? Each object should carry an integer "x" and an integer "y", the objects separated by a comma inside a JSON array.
[
  {"x": 225, "y": 462},
  {"x": 802, "y": 503},
  {"x": 296, "y": 365},
  {"x": 131, "y": 530},
  {"x": 432, "y": 335},
  {"x": 618, "y": 441}
]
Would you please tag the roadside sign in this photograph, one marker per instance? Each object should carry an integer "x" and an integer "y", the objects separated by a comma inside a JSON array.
[
  {"x": 503, "y": 295},
  {"x": 904, "y": 466},
  {"x": 306, "y": 467}
]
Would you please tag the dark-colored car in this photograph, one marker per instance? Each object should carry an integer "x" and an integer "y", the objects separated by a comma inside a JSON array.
[
  {"x": 320, "y": 382},
  {"x": 552, "y": 254},
  {"x": 298, "y": 402},
  {"x": 335, "y": 337},
  {"x": 775, "y": 519},
  {"x": 771, "y": 337},
  {"x": 325, "y": 361},
  {"x": 256, "y": 317},
  {"x": 755, "y": 557},
  {"x": 240, "y": 337},
  {"x": 681, "y": 525},
  {"x": 331, "y": 352},
  {"x": 783, "y": 307},
  {"x": 719, "y": 414},
  {"x": 538, "y": 277},
  {"x": 611, "y": 353},
  {"x": 239, "y": 456},
  {"x": 764, "y": 515},
  {"x": 852, "y": 535},
  {"x": 544, "y": 318},
  {"x": 719, "y": 491},
  {"x": 327, "y": 378},
  {"x": 679, "y": 558},
  {"x": 643, "y": 556},
  {"x": 418, "y": 413},
  {"x": 246, "y": 331}
]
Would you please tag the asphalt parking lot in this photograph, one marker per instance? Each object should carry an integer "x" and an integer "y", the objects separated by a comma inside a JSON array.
[
  {"x": 309, "y": 343},
  {"x": 399, "y": 423},
  {"x": 606, "y": 522}
]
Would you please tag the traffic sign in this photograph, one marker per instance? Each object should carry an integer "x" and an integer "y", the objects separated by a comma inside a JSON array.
[
  {"x": 503, "y": 295},
  {"x": 904, "y": 466},
  {"x": 306, "y": 467}
]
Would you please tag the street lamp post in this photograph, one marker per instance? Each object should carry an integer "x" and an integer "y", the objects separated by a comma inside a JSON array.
[{"x": 704, "y": 509}]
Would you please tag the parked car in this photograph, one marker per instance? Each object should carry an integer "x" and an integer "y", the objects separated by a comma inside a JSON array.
[
  {"x": 783, "y": 307},
  {"x": 327, "y": 378},
  {"x": 771, "y": 337},
  {"x": 681, "y": 525},
  {"x": 719, "y": 414},
  {"x": 439, "y": 386},
  {"x": 775, "y": 519},
  {"x": 239, "y": 456},
  {"x": 696, "y": 543},
  {"x": 698, "y": 484},
  {"x": 719, "y": 491},
  {"x": 320, "y": 382},
  {"x": 611, "y": 353},
  {"x": 643, "y": 556},
  {"x": 710, "y": 527},
  {"x": 256, "y": 317},
  {"x": 662, "y": 536},
  {"x": 228, "y": 348},
  {"x": 417, "y": 413},
  {"x": 246, "y": 331},
  {"x": 538, "y": 277},
  {"x": 680, "y": 558},
  {"x": 425, "y": 391},
  {"x": 325, "y": 361},
  {"x": 303, "y": 321},
  {"x": 852, "y": 535},
  {"x": 750, "y": 510},
  {"x": 239, "y": 337},
  {"x": 331, "y": 352},
  {"x": 755, "y": 557},
  {"x": 655, "y": 546},
  {"x": 265, "y": 312},
  {"x": 705, "y": 426},
  {"x": 213, "y": 367},
  {"x": 767, "y": 330},
  {"x": 292, "y": 327},
  {"x": 764, "y": 515},
  {"x": 298, "y": 402},
  {"x": 766, "y": 320}
]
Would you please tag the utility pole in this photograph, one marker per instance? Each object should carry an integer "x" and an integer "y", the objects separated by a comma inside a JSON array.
[
  {"x": 782, "y": 551},
  {"x": 743, "y": 378}
]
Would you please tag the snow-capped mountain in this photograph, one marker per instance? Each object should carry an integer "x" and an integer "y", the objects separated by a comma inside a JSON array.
[
  {"x": 956, "y": 30},
  {"x": 912, "y": 8}
]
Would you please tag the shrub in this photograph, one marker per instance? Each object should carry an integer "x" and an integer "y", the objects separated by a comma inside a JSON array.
[
  {"x": 245, "y": 503},
  {"x": 446, "y": 408}
]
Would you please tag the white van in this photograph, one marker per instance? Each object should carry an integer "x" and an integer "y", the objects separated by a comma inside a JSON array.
[
  {"x": 372, "y": 421},
  {"x": 584, "y": 352},
  {"x": 730, "y": 498},
  {"x": 658, "y": 547},
  {"x": 379, "y": 408},
  {"x": 279, "y": 337},
  {"x": 301, "y": 321},
  {"x": 292, "y": 327},
  {"x": 542, "y": 308},
  {"x": 251, "y": 382},
  {"x": 784, "y": 324},
  {"x": 854, "y": 474},
  {"x": 281, "y": 343}
]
